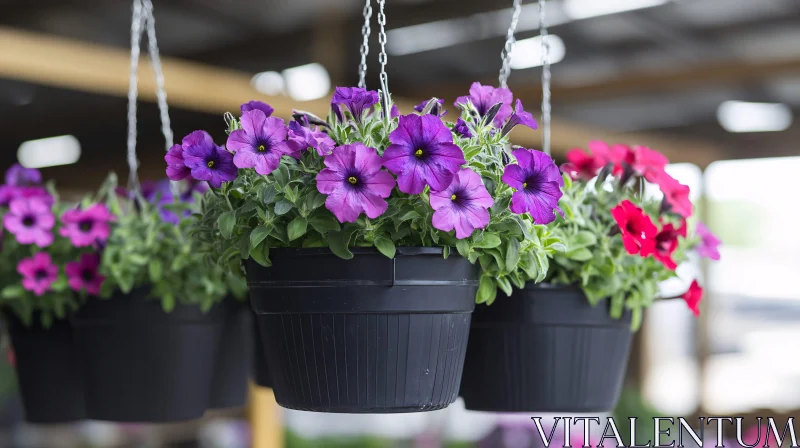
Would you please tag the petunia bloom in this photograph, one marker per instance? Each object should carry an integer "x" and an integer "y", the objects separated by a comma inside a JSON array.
[
  {"x": 638, "y": 231},
  {"x": 38, "y": 273},
  {"x": 355, "y": 182},
  {"x": 519, "y": 117},
  {"x": 676, "y": 195},
  {"x": 437, "y": 109},
  {"x": 206, "y": 160},
  {"x": 19, "y": 176},
  {"x": 9, "y": 192},
  {"x": 176, "y": 167},
  {"x": 355, "y": 99},
  {"x": 693, "y": 297},
  {"x": 667, "y": 243},
  {"x": 648, "y": 162},
  {"x": 709, "y": 243},
  {"x": 538, "y": 183},
  {"x": 462, "y": 128},
  {"x": 422, "y": 153},
  {"x": 31, "y": 221},
  {"x": 257, "y": 105},
  {"x": 160, "y": 194},
  {"x": 261, "y": 142},
  {"x": 581, "y": 165},
  {"x": 484, "y": 97},
  {"x": 462, "y": 205},
  {"x": 82, "y": 275},
  {"x": 87, "y": 227},
  {"x": 311, "y": 138}
]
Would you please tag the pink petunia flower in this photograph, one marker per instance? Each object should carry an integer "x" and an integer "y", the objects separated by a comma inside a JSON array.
[
  {"x": 638, "y": 231},
  {"x": 87, "y": 227},
  {"x": 709, "y": 243},
  {"x": 693, "y": 297},
  {"x": 38, "y": 273},
  {"x": 31, "y": 221},
  {"x": 82, "y": 275}
]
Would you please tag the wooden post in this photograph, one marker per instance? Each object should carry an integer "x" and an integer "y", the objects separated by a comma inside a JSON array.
[{"x": 265, "y": 418}]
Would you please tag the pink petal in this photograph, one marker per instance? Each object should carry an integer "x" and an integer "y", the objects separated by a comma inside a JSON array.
[{"x": 239, "y": 140}]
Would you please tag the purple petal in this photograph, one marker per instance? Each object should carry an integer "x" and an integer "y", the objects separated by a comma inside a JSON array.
[
  {"x": 239, "y": 140},
  {"x": 343, "y": 205},
  {"x": 257, "y": 105},
  {"x": 381, "y": 183},
  {"x": 372, "y": 204},
  {"x": 514, "y": 176},
  {"x": 329, "y": 180}
]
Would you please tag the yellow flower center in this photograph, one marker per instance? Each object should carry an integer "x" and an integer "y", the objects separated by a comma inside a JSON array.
[
  {"x": 524, "y": 185},
  {"x": 261, "y": 148},
  {"x": 453, "y": 197},
  {"x": 352, "y": 180},
  {"x": 211, "y": 163},
  {"x": 418, "y": 153}
]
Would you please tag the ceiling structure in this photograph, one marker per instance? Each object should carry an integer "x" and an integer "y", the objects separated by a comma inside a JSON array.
[{"x": 660, "y": 71}]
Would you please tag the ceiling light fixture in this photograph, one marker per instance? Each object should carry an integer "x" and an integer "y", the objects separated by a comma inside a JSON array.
[
  {"x": 307, "y": 82},
  {"x": 584, "y": 9},
  {"x": 269, "y": 83},
  {"x": 740, "y": 116},
  {"x": 53, "y": 151},
  {"x": 528, "y": 52}
]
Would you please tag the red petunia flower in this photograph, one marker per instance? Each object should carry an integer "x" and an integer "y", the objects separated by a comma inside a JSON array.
[
  {"x": 667, "y": 242},
  {"x": 675, "y": 193},
  {"x": 648, "y": 162},
  {"x": 581, "y": 165},
  {"x": 638, "y": 231},
  {"x": 693, "y": 297}
]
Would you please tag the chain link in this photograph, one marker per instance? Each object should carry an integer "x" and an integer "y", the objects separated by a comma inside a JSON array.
[
  {"x": 365, "y": 31},
  {"x": 382, "y": 58},
  {"x": 133, "y": 92},
  {"x": 505, "y": 55},
  {"x": 545, "y": 78}
]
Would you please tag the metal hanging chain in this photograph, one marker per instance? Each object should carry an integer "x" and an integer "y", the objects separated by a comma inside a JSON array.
[
  {"x": 161, "y": 93},
  {"x": 505, "y": 55},
  {"x": 365, "y": 31},
  {"x": 382, "y": 58},
  {"x": 133, "y": 91},
  {"x": 545, "y": 78}
]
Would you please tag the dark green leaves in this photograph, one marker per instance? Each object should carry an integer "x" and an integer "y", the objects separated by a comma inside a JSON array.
[
  {"x": 297, "y": 228},
  {"x": 339, "y": 242},
  {"x": 283, "y": 207},
  {"x": 226, "y": 222},
  {"x": 385, "y": 246}
]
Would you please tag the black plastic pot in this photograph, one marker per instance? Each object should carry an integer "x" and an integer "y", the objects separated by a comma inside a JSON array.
[
  {"x": 47, "y": 371},
  {"x": 365, "y": 335},
  {"x": 260, "y": 368},
  {"x": 141, "y": 364},
  {"x": 234, "y": 357},
  {"x": 545, "y": 349}
]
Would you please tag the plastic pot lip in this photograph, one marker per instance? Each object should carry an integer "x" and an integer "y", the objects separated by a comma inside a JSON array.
[{"x": 401, "y": 251}]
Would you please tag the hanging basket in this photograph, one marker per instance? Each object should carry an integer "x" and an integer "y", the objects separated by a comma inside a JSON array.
[
  {"x": 365, "y": 335},
  {"x": 141, "y": 364},
  {"x": 545, "y": 349},
  {"x": 234, "y": 357},
  {"x": 47, "y": 371},
  {"x": 260, "y": 369}
]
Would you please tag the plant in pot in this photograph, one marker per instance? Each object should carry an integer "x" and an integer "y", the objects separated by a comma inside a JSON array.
[
  {"x": 37, "y": 294},
  {"x": 563, "y": 345},
  {"x": 150, "y": 330},
  {"x": 366, "y": 238}
]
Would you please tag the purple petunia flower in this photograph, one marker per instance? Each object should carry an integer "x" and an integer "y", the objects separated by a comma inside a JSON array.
[
  {"x": 354, "y": 182},
  {"x": 257, "y": 105},
  {"x": 462, "y": 128},
  {"x": 437, "y": 110},
  {"x": 161, "y": 191},
  {"x": 462, "y": 205},
  {"x": 484, "y": 97},
  {"x": 709, "y": 243},
  {"x": 311, "y": 138},
  {"x": 261, "y": 142},
  {"x": 38, "y": 273},
  {"x": 83, "y": 275},
  {"x": 31, "y": 221},
  {"x": 422, "y": 153},
  {"x": 19, "y": 176},
  {"x": 176, "y": 167},
  {"x": 8, "y": 193},
  {"x": 206, "y": 160},
  {"x": 354, "y": 99},
  {"x": 519, "y": 117},
  {"x": 538, "y": 183},
  {"x": 87, "y": 227}
]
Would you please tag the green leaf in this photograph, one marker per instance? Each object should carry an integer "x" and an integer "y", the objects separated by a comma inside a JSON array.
[
  {"x": 505, "y": 285},
  {"x": 512, "y": 254},
  {"x": 282, "y": 207},
  {"x": 386, "y": 246},
  {"x": 463, "y": 248},
  {"x": 168, "y": 302},
  {"x": 267, "y": 193},
  {"x": 324, "y": 223},
  {"x": 225, "y": 224},
  {"x": 582, "y": 239},
  {"x": 260, "y": 254},
  {"x": 13, "y": 292},
  {"x": 297, "y": 228},
  {"x": 281, "y": 175},
  {"x": 582, "y": 254},
  {"x": 445, "y": 252},
  {"x": 339, "y": 242},
  {"x": 489, "y": 241},
  {"x": 259, "y": 234},
  {"x": 487, "y": 291},
  {"x": 156, "y": 270}
]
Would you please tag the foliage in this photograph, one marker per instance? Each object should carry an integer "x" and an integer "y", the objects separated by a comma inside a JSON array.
[
  {"x": 254, "y": 213},
  {"x": 145, "y": 251}
]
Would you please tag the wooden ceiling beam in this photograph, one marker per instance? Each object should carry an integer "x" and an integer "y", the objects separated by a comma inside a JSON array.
[{"x": 82, "y": 66}]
